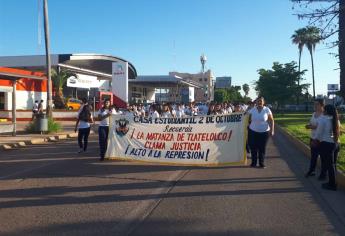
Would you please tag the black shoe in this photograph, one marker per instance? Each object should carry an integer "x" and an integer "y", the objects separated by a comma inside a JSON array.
[
  {"x": 101, "y": 159},
  {"x": 253, "y": 165},
  {"x": 262, "y": 166},
  {"x": 309, "y": 173},
  {"x": 321, "y": 177},
  {"x": 329, "y": 186}
]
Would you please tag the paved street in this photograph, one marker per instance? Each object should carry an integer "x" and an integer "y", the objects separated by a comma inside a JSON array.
[{"x": 51, "y": 190}]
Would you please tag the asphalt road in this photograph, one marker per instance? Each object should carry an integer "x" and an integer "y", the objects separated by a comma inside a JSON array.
[{"x": 51, "y": 190}]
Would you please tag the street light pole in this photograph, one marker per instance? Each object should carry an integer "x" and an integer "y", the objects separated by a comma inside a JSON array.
[
  {"x": 48, "y": 62},
  {"x": 203, "y": 60}
]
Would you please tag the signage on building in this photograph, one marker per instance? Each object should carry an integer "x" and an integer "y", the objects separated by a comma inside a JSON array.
[
  {"x": 83, "y": 81},
  {"x": 120, "y": 80},
  {"x": 333, "y": 87}
]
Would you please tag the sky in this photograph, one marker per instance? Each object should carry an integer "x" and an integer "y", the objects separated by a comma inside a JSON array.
[{"x": 159, "y": 36}]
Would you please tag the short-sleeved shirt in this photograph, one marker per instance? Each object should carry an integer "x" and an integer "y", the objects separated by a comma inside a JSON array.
[
  {"x": 324, "y": 130},
  {"x": 104, "y": 112},
  {"x": 314, "y": 121},
  {"x": 259, "y": 120}
]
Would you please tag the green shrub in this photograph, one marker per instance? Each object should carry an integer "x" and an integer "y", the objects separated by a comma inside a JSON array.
[{"x": 53, "y": 126}]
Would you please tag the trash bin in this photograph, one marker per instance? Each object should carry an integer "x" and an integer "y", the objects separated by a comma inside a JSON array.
[{"x": 41, "y": 123}]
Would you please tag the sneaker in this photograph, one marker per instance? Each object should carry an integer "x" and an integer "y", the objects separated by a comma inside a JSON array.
[
  {"x": 329, "y": 186},
  {"x": 309, "y": 173},
  {"x": 80, "y": 150},
  {"x": 262, "y": 166}
]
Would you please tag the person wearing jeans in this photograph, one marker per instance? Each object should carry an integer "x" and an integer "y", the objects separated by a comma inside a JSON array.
[
  {"x": 327, "y": 138},
  {"x": 103, "y": 130},
  {"x": 83, "y": 125},
  {"x": 260, "y": 128},
  {"x": 314, "y": 149}
]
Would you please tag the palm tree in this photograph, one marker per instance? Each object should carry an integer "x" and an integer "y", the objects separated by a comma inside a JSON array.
[
  {"x": 299, "y": 38},
  {"x": 312, "y": 37},
  {"x": 59, "y": 80}
]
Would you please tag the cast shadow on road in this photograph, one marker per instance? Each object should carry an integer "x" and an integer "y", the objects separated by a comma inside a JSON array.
[
  {"x": 152, "y": 228},
  {"x": 298, "y": 164},
  {"x": 57, "y": 191}
]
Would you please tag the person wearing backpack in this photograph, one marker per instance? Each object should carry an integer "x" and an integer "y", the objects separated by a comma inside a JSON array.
[{"x": 83, "y": 125}]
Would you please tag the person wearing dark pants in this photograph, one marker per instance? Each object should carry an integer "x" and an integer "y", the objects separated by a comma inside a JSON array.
[
  {"x": 327, "y": 138},
  {"x": 83, "y": 135},
  {"x": 83, "y": 125},
  {"x": 314, "y": 149},
  {"x": 103, "y": 130},
  {"x": 260, "y": 128},
  {"x": 258, "y": 141}
]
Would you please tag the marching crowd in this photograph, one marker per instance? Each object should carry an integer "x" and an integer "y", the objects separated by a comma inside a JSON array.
[{"x": 324, "y": 125}]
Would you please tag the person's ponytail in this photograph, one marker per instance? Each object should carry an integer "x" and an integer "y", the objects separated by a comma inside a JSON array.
[
  {"x": 332, "y": 111},
  {"x": 335, "y": 125}
]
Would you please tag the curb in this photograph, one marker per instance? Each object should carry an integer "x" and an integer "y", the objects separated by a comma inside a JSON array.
[
  {"x": 35, "y": 141},
  {"x": 55, "y": 138},
  {"x": 306, "y": 151}
]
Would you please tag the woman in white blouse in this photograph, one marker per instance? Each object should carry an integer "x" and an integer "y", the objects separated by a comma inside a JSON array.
[
  {"x": 314, "y": 150},
  {"x": 327, "y": 137},
  {"x": 103, "y": 130},
  {"x": 260, "y": 128}
]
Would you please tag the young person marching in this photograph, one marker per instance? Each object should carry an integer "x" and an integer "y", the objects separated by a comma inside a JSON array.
[
  {"x": 83, "y": 125},
  {"x": 314, "y": 149},
  {"x": 103, "y": 130},
  {"x": 327, "y": 137},
  {"x": 260, "y": 128}
]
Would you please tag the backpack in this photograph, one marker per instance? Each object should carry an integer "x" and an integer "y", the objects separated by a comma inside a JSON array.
[{"x": 85, "y": 114}]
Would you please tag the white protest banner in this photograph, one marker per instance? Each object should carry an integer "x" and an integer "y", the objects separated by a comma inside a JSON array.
[{"x": 198, "y": 140}]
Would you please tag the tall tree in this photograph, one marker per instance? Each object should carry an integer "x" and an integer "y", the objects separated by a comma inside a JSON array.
[
  {"x": 298, "y": 38},
  {"x": 330, "y": 17},
  {"x": 279, "y": 84},
  {"x": 245, "y": 88},
  {"x": 59, "y": 79},
  {"x": 312, "y": 37},
  {"x": 342, "y": 46}
]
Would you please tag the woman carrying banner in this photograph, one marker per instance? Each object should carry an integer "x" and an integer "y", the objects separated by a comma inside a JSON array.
[
  {"x": 103, "y": 130},
  {"x": 314, "y": 149},
  {"x": 83, "y": 125},
  {"x": 261, "y": 126},
  {"x": 327, "y": 138}
]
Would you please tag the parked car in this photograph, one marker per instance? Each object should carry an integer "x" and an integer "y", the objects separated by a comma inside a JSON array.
[{"x": 73, "y": 104}]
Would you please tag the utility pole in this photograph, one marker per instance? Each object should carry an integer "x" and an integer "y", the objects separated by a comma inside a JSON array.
[
  {"x": 48, "y": 62},
  {"x": 203, "y": 60}
]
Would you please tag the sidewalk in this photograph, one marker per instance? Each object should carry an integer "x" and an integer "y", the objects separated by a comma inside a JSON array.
[{"x": 7, "y": 141}]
